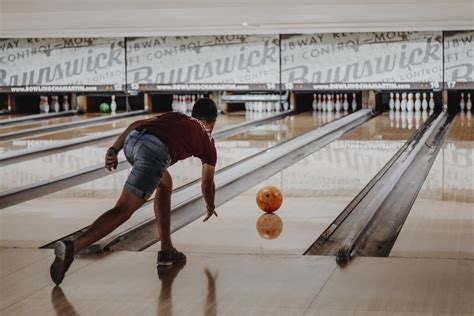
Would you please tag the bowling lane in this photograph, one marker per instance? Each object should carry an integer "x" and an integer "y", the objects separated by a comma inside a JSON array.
[
  {"x": 47, "y": 167},
  {"x": 441, "y": 221},
  {"x": 74, "y": 133},
  {"x": 37, "y": 222},
  {"x": 48, "y": 122},
  {"x": 315, "y": 190}
]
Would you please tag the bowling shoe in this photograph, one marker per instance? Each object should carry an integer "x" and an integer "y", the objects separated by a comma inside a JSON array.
[
  {"x": 166, "y": 258},
  {"x": 64, "y": 251}
]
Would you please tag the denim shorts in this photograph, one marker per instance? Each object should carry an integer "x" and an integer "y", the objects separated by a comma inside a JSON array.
[{"x": 149, "y": 157}]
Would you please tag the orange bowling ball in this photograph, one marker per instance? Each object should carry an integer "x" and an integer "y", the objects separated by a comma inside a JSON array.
[{"x": 269, "y": 199}]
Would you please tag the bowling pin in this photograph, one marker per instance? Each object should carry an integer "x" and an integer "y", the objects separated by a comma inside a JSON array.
[
  {"x": 424, "y": 103},
  {"x": 403, "y": 104},
  {"x": 325, "y": 104},
  {"x": 269, "y": 106},
  {"x": 354, "y": 102},
  {"x": 397, "y": 101},
  {"x": 320, "y": 104},
  {"x": 417, "y": 102},
  {"x": 286, "y": 106},
  {"x": 55, "y": 103},
  {"x": 462, "y": 103},
  {"x": 410, "y": 103},
  {"x": 337, "y": 105},
  {"x": 330, "y": 103},
  {"x": 193, "y": 100},
  {"x": 432, "y": 102},
  {"x": 46, "y": 105},
  {"x": 173, "y": 102},
  {"x": 41, "y": 104},
  {"x": 469, "y": 102},
  {"x": 315, "y": 102},
  {"x": 113, "y": 105},
  {"x": 345, "y": 104},
  {"x": 391, "y": 103},
  {"x": 65, "y": 103},
  {"x": 188, "y": 105}
]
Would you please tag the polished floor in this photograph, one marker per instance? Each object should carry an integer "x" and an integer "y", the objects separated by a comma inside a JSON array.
[{"x": 247, "y": 263}]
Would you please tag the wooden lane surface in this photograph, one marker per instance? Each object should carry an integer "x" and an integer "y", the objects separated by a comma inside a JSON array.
[
  {"x": 42, "y": 220},
  {"x": 48, "y": 122},
  {"x": 49, "y": 166},
  {"x": 315, "y": 191}
]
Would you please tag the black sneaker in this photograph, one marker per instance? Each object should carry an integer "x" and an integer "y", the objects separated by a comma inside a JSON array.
[
  {"x": 167, "y": 258},
  {"x": 64, "y": 251}
]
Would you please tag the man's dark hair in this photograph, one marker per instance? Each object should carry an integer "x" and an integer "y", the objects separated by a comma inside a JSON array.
[{"x": 205, "y": 110}]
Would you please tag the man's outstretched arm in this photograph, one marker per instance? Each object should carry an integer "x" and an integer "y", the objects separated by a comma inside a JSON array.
[{"x": 208, "y": 189}]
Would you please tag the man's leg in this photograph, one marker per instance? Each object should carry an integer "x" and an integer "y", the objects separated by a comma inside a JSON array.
[
  {"x": 126, "y": 205},
  {"x": 65, "y": 250},
  {"x": 168, "y": 254},
  {"x": 162, "y": 206}
]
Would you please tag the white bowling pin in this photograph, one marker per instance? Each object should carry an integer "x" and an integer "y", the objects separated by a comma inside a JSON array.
[
  {"x": 354, "y": 102},
  {"x": 337, "y": 105},
  {"x": 330, "y": 103},
  {"x": 462, "y": 103},
  {"x": 469, "y": 102},
  {"x": 391, "y": 103},
  {"x": 269, "y": 106},
  {"x": 65, "y": 103},
  {"x": 397, "y": 101},
  {"x": 187, "y": 101},
  {"x": 424, "y": 103},
  {"x": 320, "y": 103},
  {"x": 55, "y": 103},
  {"x": 286, "y": 106},
  {"x": 410, "y": 103},
  {"x": 345, "y": 104},
  {"x": 46, "y": 105},
  {"x": 113, "y": 105},
  {"x": 315, "y": 102},
  {"x": 41, "y": 104},
  {"x": 403, "y": 104},
  {"x": 417, "y": 102},
  {"x": 193, "y": 100},
  {"x": 325, "y": 103},
  {"x": 432, "y": 102}
]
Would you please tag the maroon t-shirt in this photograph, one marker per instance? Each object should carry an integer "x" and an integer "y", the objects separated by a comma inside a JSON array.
[{"x": 185, "y": 136}]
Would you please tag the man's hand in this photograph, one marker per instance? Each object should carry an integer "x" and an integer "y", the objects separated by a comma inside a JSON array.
[
  {"x": 210, "y": 211},
  {"x": 111, "y": 160}
]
